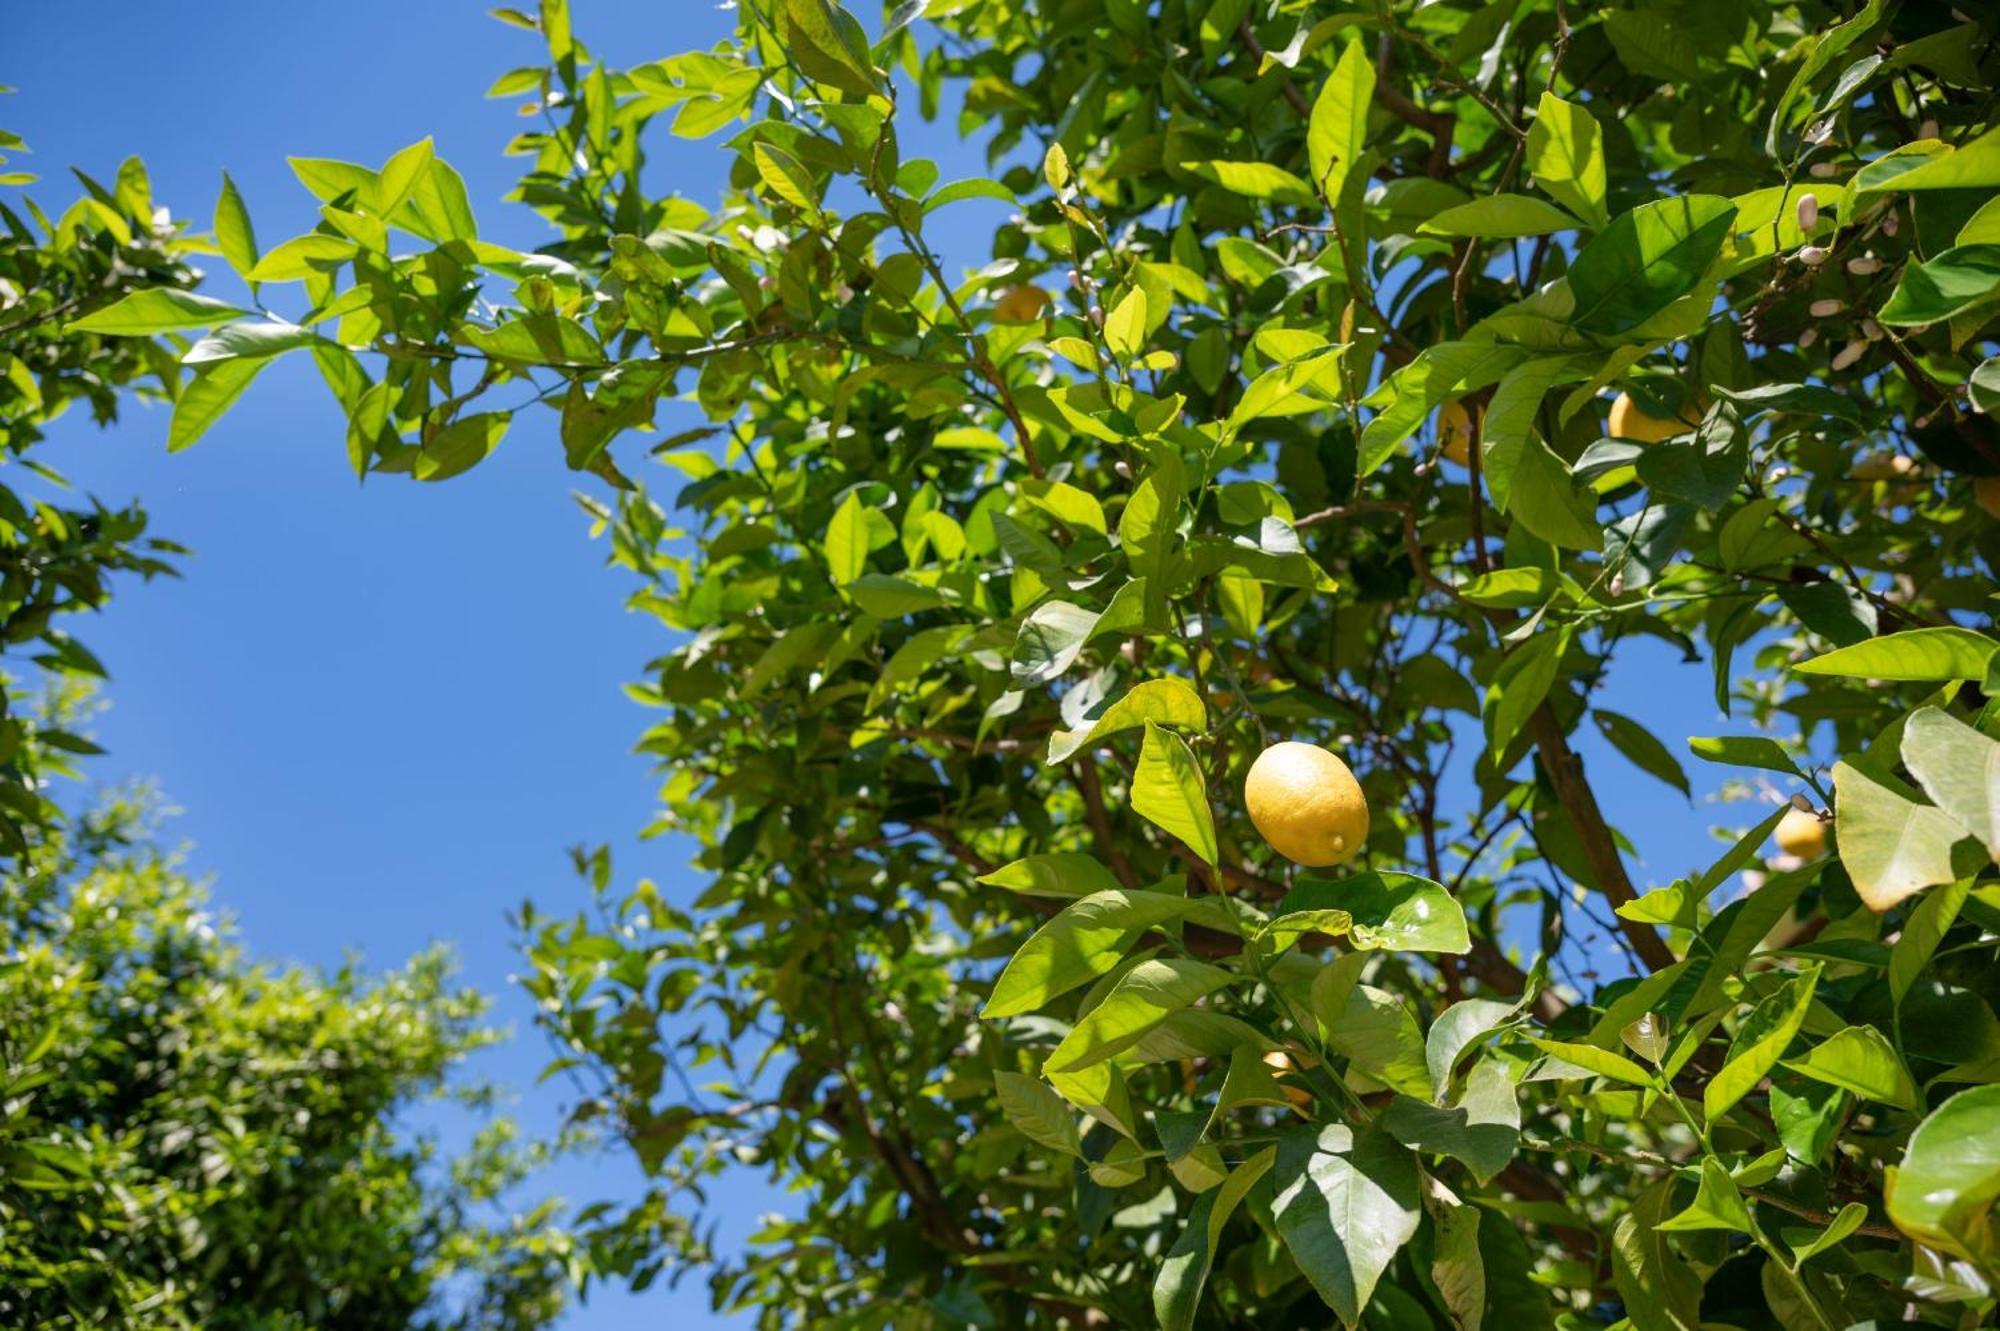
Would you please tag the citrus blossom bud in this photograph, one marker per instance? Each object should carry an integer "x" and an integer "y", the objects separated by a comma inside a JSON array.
[
  {"x": 1807, "y": 338},
  {"x": 1863, "y": 266},
  {"x": 1813, "y": 255},
  {"x": 1850, "y": 353},
  {"x": 1890, "y": 224},
  {"x": 1927, "y": 130},
  {"x": 1808, "y": 211},
  {"x": 1825, "y": 309},
  {"x": 1822, "y": 170}
]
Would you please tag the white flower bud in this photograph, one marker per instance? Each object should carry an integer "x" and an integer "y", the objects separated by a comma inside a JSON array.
[
  {"x": 1097, "y": 315},
  {"x": 1890, "y": 225},
  {"x": 1808, "y": 337},
  {"x": 1803, "y": 804},
  {"x": 1826, "y": 309},
  {"x": 1808, "y": 211},
  {"x": 1124, "y": 470},
  {"x": 1927, "y": 130},
  {"x": 1851, "y": 353},
  {"x": 1617, "y": 584},
  {"x": 1871, "y": 330},
  {"x": 1823, "y": 170},
  {"x": 1813, "y": 255},
  {"x": 1864, "y": 265}
]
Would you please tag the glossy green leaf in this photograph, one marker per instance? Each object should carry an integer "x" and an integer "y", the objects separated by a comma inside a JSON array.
[
  {"x": 1943, "y": 1193},
  {"x": 1037, "y": 1112},
  {"x": 1177, "y": 1288},
  {"x": 1086, "y": 939},
  {"x": 1337, "y": 130},
  {"x": 1168, "y": 791},
  {"x": 205, "y": 397},
  {"x": 1959, "y": 768},
  {"x": 1345, "y": 1205},
  {"x": 1935, "y": 290},
  {"x": 1645, "y": 260},
  {"x": 1861, "y": 1060},
  {"x": 157, "y": 310},
  {"x": 461, "y": 445},
  {"x": 1589, "y": 1060},
  {"x": 1716, "y": 1205},
  {"x": 1500, "y": 217},
  {"x": 1759, "y": 1044},
  {"x": 1565, "y": 154},
  {"x": 1914, "y": 654},
  {"x": 1890, "y": 846},
  {"x": 1397, "y": 912},
  {"x": 1145, "y": 996}
]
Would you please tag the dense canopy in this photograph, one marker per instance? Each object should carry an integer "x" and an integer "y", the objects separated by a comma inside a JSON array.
[{"x": 1365, "y": 376}]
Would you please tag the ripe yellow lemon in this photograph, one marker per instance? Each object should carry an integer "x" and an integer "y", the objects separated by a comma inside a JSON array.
[
  {"x": 1986, "y": 494},
  {"x": 1455, "y": 432},
  {"x": 1307, "y": 804},
  {"x": 1802, "y": 834},
  {"x": 1629, "y": 420}
]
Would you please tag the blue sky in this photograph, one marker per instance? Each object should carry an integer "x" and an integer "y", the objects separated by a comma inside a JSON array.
[{"x": 387, "y": 710}]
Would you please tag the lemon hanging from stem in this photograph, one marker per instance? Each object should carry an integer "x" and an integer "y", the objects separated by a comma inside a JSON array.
[{"x": 1306, "y": 803}]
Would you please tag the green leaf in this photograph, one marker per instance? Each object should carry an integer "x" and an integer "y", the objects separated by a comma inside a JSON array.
[
  {"x": 157, "y": 310},
  {"x": 1915, "y": 654},
  {"x": 1255, "y": 180},
  {"x": 1500, "y": 217},
  {"x": 401, "y": 174},
  {"x": 1948, "y": 284},
  {"x": 1171, "y": 701},
  {"x": 1375, "y": 1032},
  {"x": 847, "y": 540},
  {"x": 1049, "y": 641},
  {"x": 1144, "y": 996},
  {"x": 1717, "y": 1204},
  {"x": 1844, "y": 1224},
  {"x": 1394, "y": 912},
  {"x": 1959, "y": 768},
  {"x": 886, "y": 596},
  {"x": 1890, "y": 846},
  {"x": 1520, "y": 686},
  {"x": 1167, "y": 790},
  {"x": 1589, "y": 1059},
  {"x": 1344, "y": 1206},
  {"x": 1759, "y": 1044},
  {"x": 1943, "y": 1193},
  {"x": 461, "y": 445},
  {"x": 1566, "y": 157},
  {"x": 538, "y": 339},
  {"x": 1084, "y": 940},
  {"x": 234, "y": 235},
  {"x": 1058, "y": 874},
  {"x": 1457, "y": 1029},
  {"x": 1644, "y": 750},
  {"x": 1177, "y": 1289},
  {"x": 1922, "y": 932},
  {"x": 1543, "y": 495},
  {"x": 1860, "y": 1059},
  {"x": 1645, "y": 260},
  {"x": 1975, "y": 166},
  {"x": 959, "y": 190},
  {"x": 1037, "y": 1112},
  {"x": 1755, "y": 751},
  {"x": 204, "y": 398},
  {"x": 819, "y": 38},
  {"x": 1483, "y": 1130},
  {"x": 1661, "y": 1292},
  {"x": 1337, "y": 130},
  {"x": 1125, "y": 326},
  {"x": 438, "y": 208},
  {"x": 249, "y": 339},
  {"x": 303, "y": 257},
  {"x": 785, "y": 176}
]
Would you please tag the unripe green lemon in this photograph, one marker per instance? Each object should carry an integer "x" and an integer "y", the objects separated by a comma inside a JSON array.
[{"x": 1306, "y": 804}]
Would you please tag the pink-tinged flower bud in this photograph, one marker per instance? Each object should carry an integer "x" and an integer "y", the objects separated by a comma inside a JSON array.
[
  {"x": 1824, "y": 170},
  {"x": 1850, "y": 353},
  {"x": 1826, "y": 309},
  {"x": 1927, "y": 130},
  {"x": 1421, "y": 469},
  {"x": 1890, "y": 225},
  {"x": 1807, "y": 338},
  {"x": 1813, "y": 255},
  {"x": 1871, "y": 330},
  {"x": 1617, "y": 584},
  {"x": 1864, "y": 265},
  {"x": 1921, "y": 423},
  {"x": 1124, "y": 471},
  {"x": 1808, "y": 211},
  {"x": 1097, "y": 315}
]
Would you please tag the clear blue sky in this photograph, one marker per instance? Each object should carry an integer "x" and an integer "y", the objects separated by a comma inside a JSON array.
[{"x": 386, "y": 710}]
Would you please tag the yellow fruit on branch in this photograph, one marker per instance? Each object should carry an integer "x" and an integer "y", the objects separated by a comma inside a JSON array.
[
  {"x": 1306, "y": 803},
  {"x": 1629, "y": 420},
  {"x": 1455, "y": 432},
  {"x": 1802, "y": 834}
]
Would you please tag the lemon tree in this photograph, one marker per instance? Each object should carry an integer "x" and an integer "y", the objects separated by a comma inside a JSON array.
[{"x": 992, "y": 567}]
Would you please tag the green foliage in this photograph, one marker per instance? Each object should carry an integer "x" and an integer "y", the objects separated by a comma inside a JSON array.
[
  {"x": 998, "y": 581},
  {"x": 189, "y": 1139}
]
